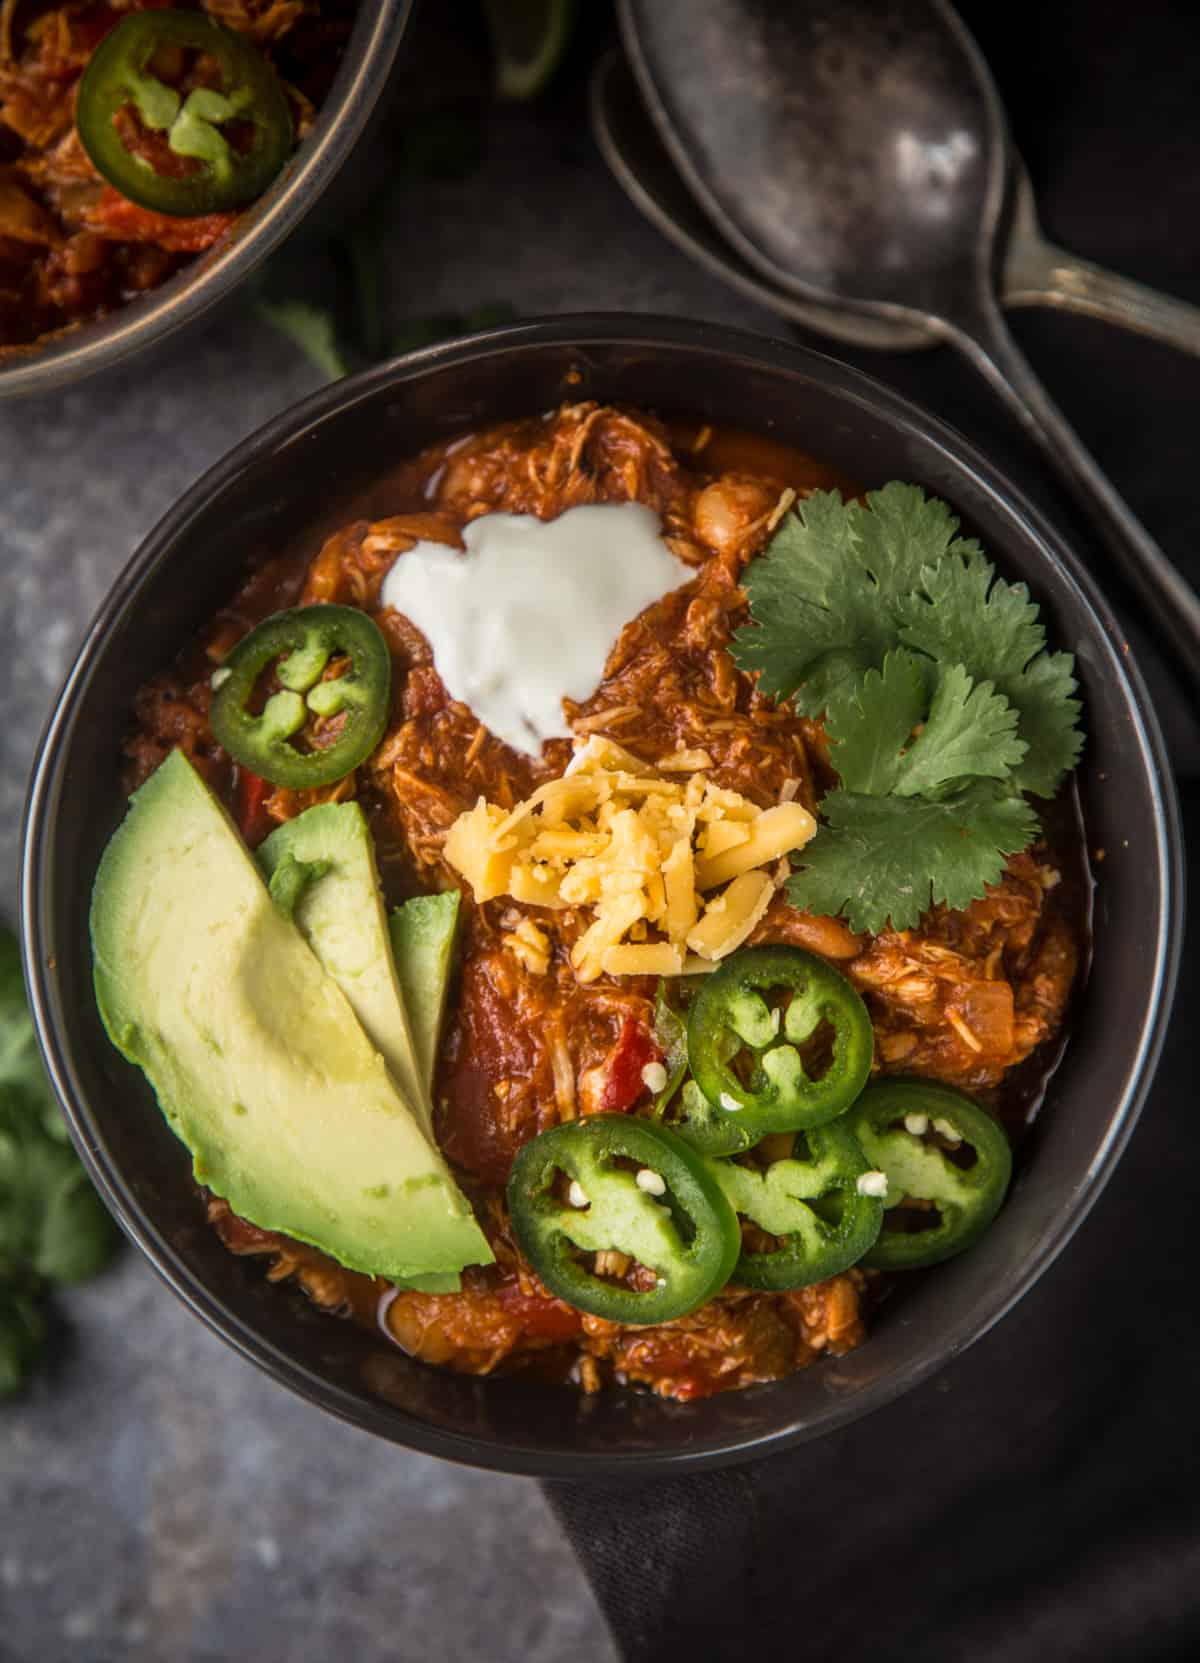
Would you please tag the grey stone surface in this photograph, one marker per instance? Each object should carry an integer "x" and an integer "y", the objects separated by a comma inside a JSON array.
[
  {"x": 163, "y": 1502},
  {"x": 160, "y": 1501}
]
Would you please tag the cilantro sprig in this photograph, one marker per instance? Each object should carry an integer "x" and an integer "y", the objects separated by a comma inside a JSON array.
[
  {"x": 340, "y": 321},
  {"x": 53, "y": 1227},
  {"x": 942, "y": 704}
]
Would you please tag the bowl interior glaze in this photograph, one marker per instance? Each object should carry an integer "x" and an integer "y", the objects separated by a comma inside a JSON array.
[{"x": 327, "y": 461}]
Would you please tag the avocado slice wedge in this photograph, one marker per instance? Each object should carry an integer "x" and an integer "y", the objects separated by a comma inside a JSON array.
[
  {"x": 254, "y": 1052},
  {"x": 423, "y": 932},
  {"x": 340, "y": 913}
]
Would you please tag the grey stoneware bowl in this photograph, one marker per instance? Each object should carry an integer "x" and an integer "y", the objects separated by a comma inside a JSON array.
[
  {"x": 341, "y": 122},
  {"x": 326, "y": 461}
]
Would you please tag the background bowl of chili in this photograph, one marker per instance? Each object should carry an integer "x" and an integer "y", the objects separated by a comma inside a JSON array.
[
  {"x": 75, "y": 353},
  {"x": 326, "y": 462}
]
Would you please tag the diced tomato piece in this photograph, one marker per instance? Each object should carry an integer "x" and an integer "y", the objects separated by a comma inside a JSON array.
[
  {"x": 672, "y": 1367},
  {"x": 252, "y": 816},
  {"x": 115, "y": 217},
  {"x": 623, "y": 1084},
  {"x": 479, "y": 1327},
  {"x": 485, "y": 1121},
  {"x": 540, "y": 1315}
]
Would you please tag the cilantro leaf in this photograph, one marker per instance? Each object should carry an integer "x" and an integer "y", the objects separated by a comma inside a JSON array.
[
  {"x": 75, "y": 1238},
  {"x": 822, "y": 596},
  {"x": 810, "y": 597},
  {"x": 347, "y": 323},
  {"x": 19, "y": 1060},
  {"x": 1049, "y": 716},
  {"x": 881, "y": 858},
  {"x": 965, "y": 614},
  {"x": 22, "y": 1330},
  {"x": 670, "y": 1033},
  {"x": 971, "y": 730},
  {"x": 904, "y": 532},
  {"x": 870, "y": 719},
  {"x": 53, "y": 1225},
  {"x": 51, "y": 1220},
  {"x": 956, "y": 610},
  {"x": 309, "y": 327}
]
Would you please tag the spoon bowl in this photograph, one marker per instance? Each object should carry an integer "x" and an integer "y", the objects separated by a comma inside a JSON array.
[
  {"x": 635, "y": 154},
  {"x": 846, "y": 149}
]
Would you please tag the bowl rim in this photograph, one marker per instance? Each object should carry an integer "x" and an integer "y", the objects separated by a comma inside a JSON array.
[
  {"x": 77, "y": 353},
  {"x": 578, "y": 331}
]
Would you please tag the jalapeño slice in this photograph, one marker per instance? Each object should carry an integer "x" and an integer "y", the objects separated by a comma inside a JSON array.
[
  {"x": 304, "y": 642},
  {"x": 778, "y": 1041},
  {"x": 618, "y": 1183},
  {"x": 918, "y": 1133},
  {"x": 702, "y": 1125},
  {"x": 214, "y": 147},
  {"x": 681, "y": 1106},
  {"x": 812, "y": 1203}
]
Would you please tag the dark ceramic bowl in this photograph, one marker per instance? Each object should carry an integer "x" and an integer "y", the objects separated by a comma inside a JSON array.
[
  {"x": 362, "y": 76},
  {"x": 321, "y": 464}
]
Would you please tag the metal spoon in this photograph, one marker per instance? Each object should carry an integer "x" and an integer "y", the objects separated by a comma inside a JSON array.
[
  {"x": 636, "y": 156},
  {"x": 854, "y": 153},
  {"x": 1036, "y": 273}
]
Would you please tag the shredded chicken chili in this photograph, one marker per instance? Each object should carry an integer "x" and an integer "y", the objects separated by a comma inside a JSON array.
[
  {"x": 967, "y": 998},
  {"x": 72, "y": 248}
]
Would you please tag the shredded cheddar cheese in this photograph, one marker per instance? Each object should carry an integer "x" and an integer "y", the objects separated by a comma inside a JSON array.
[
  {"x": 673, "y": 871},
  {"x": 530, "y": 945}
]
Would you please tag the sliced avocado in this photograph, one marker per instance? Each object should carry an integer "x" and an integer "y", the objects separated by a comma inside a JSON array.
[
  {"x": 341, "y": 915},
  {"x": 451, "y": 1282},
  {"x": 290, "y": 879},
  {"x": 254, "y": 1052},
  {"x": 423, "y": 932}
]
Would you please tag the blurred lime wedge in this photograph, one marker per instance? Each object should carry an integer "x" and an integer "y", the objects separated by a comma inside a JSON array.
[{"x": 529, "y": 38}]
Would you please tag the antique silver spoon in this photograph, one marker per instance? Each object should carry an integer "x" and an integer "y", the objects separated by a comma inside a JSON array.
[
  {"x": 1036, "y": 272},
  {"x": 854, "y": 153}
]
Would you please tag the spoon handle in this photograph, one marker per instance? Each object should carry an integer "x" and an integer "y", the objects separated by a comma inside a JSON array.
[
  {"x": 1036, "y": 273},
  {"x": 1170, "y": 602}
]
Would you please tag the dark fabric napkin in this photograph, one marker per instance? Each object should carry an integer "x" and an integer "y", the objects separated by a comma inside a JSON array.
[{"x": 1039, "y": 1499}]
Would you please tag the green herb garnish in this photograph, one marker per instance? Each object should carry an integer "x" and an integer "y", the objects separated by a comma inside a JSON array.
[
  {"x": 529, "y": 39},
  {"x": 670, "y": 1033},
  {"x": 22, "y": 1330},
  {"x": 941, "y": 704},
  {"x": 19, "y": 1061},
  {"x": 340, "y": 323},
  {"x": 309, "y": 327},
  {"x": 53, "y": 1227}
]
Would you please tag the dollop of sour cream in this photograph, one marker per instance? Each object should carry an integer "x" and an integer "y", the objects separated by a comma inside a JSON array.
[{"x": 528, "y": 615}]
